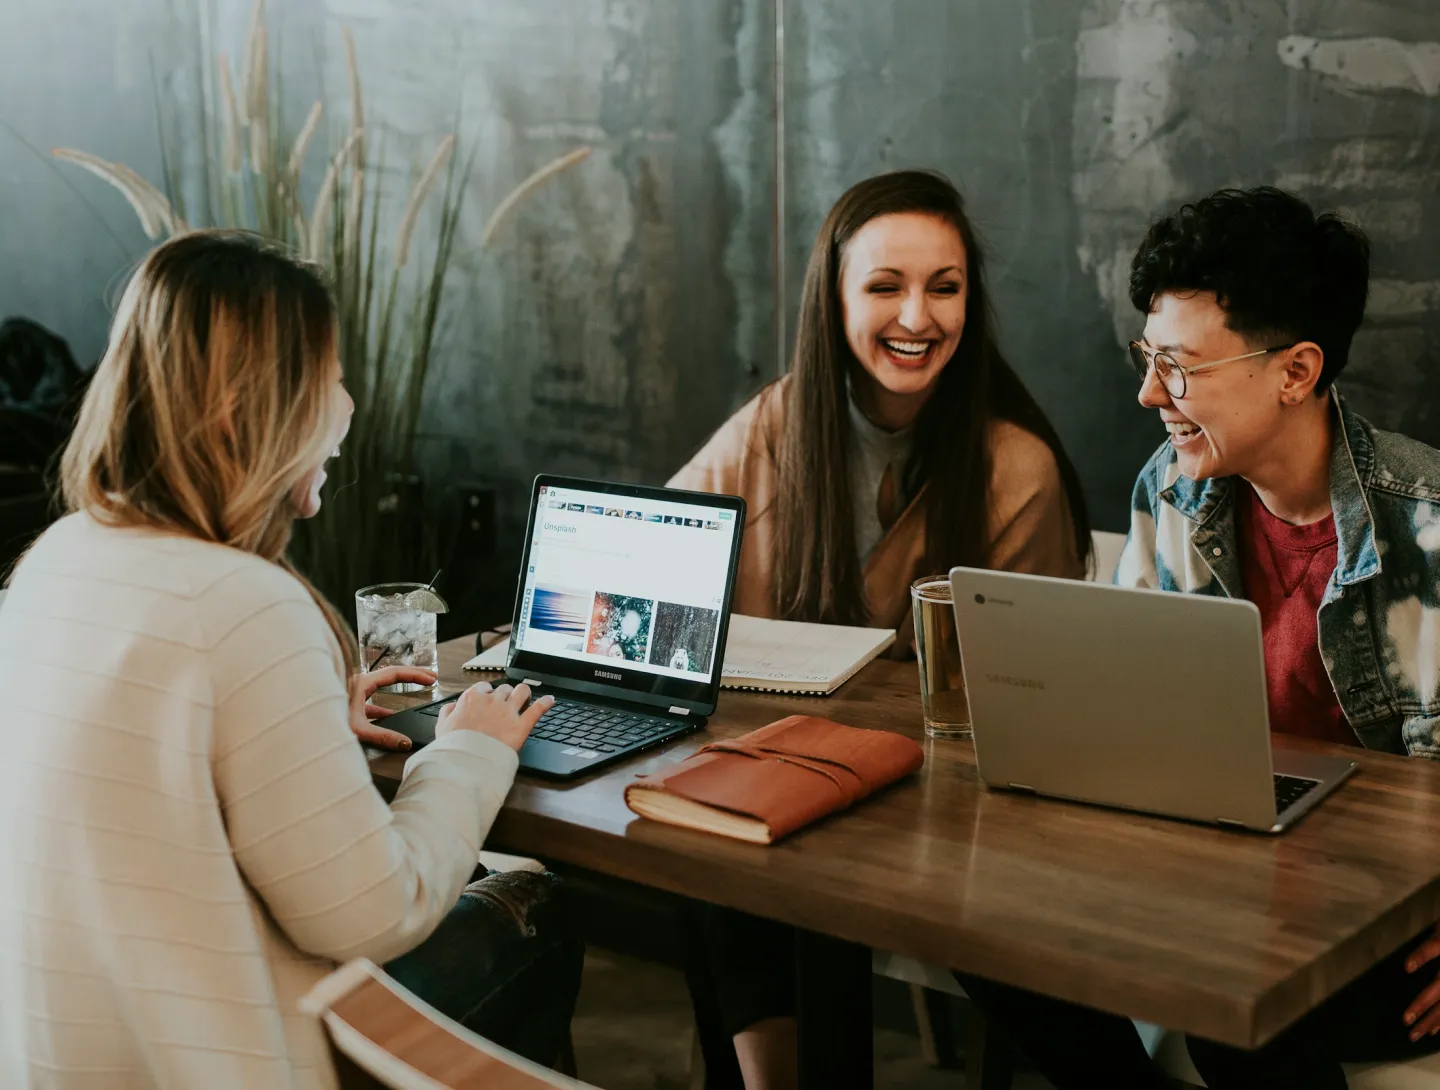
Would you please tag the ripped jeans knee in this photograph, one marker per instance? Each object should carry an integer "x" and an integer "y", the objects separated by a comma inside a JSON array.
[
  {"x": 504, "y": 962},
  {"x": 513, "y": 894}
]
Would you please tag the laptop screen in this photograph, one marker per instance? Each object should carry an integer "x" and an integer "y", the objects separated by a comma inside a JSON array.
[{"x": 627, "y": 585}]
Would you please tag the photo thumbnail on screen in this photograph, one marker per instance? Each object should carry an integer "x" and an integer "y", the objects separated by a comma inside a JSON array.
[
  {"x": 684, "y": 637},
  {"x": 620, "y": 626}
]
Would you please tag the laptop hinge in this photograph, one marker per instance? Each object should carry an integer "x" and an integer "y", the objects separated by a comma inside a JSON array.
[
  {"x": 678, "y": 711},
  {"x": 1021, "y": 787},
  {"x": 1232, "y": 823}
]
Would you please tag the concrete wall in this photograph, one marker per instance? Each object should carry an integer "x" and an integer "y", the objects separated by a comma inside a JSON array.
[
  {"x": 1070, "y": 124},
  {"x": 632, "y": 305},
  {"x": 621, "y": 313},
  {"x": 629, "y": 305},
  {"x": 73, "y": 72}
]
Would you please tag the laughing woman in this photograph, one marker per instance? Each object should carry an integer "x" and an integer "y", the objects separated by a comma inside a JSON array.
[{"x": 899, "y": 445}]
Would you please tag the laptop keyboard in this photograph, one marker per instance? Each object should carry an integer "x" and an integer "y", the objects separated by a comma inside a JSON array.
[
  {"x": 592, "y": 727},
  {"x": 604, "y": 730},
  {"x": 1291, "y": 789}
]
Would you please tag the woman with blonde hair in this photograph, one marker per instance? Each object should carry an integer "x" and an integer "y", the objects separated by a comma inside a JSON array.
[{"x": 190, "y": 835}]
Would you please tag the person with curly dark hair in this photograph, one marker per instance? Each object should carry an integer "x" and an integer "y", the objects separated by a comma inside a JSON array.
[{"x": 1270, "y": 488}]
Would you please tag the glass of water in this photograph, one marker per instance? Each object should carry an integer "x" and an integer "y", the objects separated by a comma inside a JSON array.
[
  {"x": 937, "y": 649},
  {"x": 397, "y": 624}
]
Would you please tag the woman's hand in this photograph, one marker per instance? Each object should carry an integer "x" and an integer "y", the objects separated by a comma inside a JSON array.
[
  {"x": 501, "y": 713},
  {"x": 363, "y": 687},
  {"x": 1423, "y": 1015}
]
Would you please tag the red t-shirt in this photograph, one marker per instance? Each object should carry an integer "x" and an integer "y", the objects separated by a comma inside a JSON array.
[{"x": 1286, "y": 570}]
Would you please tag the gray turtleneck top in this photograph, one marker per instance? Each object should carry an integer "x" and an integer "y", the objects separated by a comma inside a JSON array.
[{"x": 871, "y": 451}]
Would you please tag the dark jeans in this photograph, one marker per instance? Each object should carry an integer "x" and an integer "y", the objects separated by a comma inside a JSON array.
[
  {"x": 741, "y": 970},
  {"x": 739, "y": 966},
  {"x": 1079, "y": 1049},
  {"x": 503, "y": 964}
]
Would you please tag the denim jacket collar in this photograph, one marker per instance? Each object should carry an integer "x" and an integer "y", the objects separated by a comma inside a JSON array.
[{"x": 1352, "y": 461}]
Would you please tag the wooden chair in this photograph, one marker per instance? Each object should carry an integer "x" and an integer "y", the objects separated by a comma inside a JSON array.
[{"x": 383, "y": 1036}]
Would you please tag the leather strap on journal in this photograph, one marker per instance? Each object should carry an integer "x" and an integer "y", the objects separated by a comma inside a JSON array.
[
  {"x": 787, "y": 774},
  {"x": 851, "y": 787}
]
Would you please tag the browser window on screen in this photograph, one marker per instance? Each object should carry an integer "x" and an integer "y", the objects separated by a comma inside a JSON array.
[{"x": 639, "y": 583}]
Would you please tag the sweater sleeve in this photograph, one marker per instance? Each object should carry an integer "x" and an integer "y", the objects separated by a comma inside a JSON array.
[
  {"x": 1031, "y": 528},
  {"x": 719, "y": 465},
  {"x": 342, "y": 874}
]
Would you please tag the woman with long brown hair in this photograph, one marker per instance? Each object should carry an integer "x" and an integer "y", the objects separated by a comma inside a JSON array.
[
  {"x": 191, "y": 835},
  {"x": 900, "y": 444}
]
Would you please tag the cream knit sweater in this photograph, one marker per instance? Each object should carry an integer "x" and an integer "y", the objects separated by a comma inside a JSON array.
[{"x": 189, "y": 837}]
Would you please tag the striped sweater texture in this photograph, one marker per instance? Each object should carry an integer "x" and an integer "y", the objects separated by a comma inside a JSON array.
[{"x": 189, "y": 837}]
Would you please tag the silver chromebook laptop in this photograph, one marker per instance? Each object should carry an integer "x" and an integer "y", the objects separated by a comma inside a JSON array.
[{"x": 1137, "y": 699}]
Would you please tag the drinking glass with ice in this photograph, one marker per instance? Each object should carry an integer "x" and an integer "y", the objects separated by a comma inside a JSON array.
[{"x": 396, "y": 623}]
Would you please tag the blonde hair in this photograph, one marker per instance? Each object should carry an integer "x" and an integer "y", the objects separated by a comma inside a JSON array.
[{"x": 212, "y": 401}]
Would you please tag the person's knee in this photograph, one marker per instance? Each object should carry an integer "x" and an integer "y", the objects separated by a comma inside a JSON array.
[
  {"x": 516, "y": 918},
  {"x": 525, "y": 898}
]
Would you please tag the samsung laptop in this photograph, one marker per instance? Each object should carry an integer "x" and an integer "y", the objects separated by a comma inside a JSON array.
[
  {"x": 1138, "y": 699},
  {"x": 621, "y": 613}
]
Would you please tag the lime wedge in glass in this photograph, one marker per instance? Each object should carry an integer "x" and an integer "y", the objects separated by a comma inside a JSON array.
[{"x": 425, "y": 601}]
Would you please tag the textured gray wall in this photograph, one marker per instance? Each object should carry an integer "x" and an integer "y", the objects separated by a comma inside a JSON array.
[
  {"x": 73, "y": 72},
  {"x": 1070, "y": 124},
  {"x": 631, "y": 306},
  {"x": 629, "y": 303},
  {"x": 623, "y": 310}
]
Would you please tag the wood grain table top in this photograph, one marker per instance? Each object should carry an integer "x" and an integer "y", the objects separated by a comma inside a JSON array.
[{"x": 1228, "y": 935}]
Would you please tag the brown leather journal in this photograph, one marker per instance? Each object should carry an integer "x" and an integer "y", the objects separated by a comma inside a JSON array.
[{"x": 766, "y": 784}]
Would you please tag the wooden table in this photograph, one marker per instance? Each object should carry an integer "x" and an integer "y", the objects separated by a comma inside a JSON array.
[{"x": 1230, "y": 936}]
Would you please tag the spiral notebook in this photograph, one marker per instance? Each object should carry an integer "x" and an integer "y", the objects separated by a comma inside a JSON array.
[{"x": 774, "y": 656}]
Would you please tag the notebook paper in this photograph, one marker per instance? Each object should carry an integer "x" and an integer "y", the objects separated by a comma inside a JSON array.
[
  {"x": 794, "y": 657},
  {"x": 774, "y": 656}
]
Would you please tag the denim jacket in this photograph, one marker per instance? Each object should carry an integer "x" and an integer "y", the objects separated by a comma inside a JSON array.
[{"x": 1379, "y": 621}]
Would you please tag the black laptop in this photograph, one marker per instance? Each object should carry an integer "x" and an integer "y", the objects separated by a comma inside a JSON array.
[{"x": 621, "y": 614}]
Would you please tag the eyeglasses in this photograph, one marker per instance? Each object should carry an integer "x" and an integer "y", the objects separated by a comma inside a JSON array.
[{"x": 1172, "y": 375}]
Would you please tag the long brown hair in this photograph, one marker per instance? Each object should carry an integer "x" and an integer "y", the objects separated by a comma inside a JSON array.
[
  {"x": 819, "y": 571},
  {"x": 212, "y": 401}
]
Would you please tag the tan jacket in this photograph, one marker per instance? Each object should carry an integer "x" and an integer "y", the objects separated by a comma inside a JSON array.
[{"x": 1029, "y": 518}]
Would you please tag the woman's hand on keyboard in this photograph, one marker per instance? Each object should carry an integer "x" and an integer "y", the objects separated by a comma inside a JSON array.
[{"x": 500, "y": 713}]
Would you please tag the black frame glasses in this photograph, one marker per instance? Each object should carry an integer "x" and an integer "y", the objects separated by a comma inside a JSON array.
[{"x": 1173, "y": 375}]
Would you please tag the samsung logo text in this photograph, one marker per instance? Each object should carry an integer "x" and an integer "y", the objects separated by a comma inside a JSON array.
[
  {"x": 1017, "y": 682},
  {"x": 607, "y": 673}
]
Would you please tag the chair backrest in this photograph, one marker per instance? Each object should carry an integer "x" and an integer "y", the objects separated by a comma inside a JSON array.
[
  {"x": 1105, "y": 550},
  {"x": 382, "y": 1035}
]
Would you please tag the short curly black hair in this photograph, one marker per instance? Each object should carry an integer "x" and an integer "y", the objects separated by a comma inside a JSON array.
[{"x": 1280, "y": 273}]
